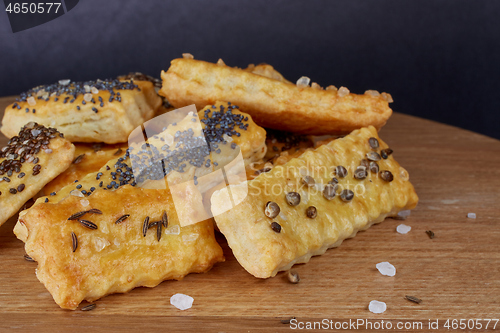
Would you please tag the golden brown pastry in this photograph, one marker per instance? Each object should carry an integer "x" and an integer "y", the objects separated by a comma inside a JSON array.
[
  {"x": 225, "y": 129},
  {"x": 88, "y": 159},
  {"x": 313, "y": 203},
  {"x": 94, "y": 111},
  {"x": 120, "y": 240},
  {"x": 30, "y": 160},
  {"x": 267, "y": 71},
  {"x": 273, "y": 103}
]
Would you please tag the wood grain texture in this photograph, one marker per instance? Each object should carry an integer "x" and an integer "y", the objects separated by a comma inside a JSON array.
[{"x": 456, "y": 274}]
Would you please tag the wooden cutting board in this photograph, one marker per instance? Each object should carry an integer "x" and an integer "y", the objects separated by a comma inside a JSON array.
[{"x": 456, "y": 274}]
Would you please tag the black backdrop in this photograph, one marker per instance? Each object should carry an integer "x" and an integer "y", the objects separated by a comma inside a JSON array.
[{"x": 439, "y": 59}]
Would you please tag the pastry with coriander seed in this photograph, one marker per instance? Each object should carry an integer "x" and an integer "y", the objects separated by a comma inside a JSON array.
[{"x": 313, "y": 202}]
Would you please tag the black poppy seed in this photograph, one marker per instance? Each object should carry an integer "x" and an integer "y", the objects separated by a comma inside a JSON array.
[
  {"x": 100, "y": 184},
  {"x": 12, "y": 190},
  {"x": 46, "y": 199},
  {"x": 6, "y": 179},
  {"x": 79, "y": 186},
  {"x": 27, "y": 110},
  {"x": 84, "y": 192},
  {"x": 20, "y": 188},
  {"x": 83, "y": 102},
  {"x": 92, "y": 189},
  {"x": 53, "y": 193},
  {"x": 34, "y": 111}
]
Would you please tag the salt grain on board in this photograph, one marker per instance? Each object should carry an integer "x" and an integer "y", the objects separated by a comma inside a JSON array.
[
  {"x": 403, "y": 229},
  {"x": 385, "y": 268},
  {"x": 181, "y": 301},
  {"x": 377, "y": 307},
  {"x": 404, "y": 214},
  {"x": 471, "y": 215}
]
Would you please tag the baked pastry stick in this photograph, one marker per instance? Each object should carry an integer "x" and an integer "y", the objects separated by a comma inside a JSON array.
[
  {"x": 238, "y": 132},
  {"x": 273, "y": 103},
  {"x": 127, "y": 238},
  {"x": 88, "y": 159},
  {"x": 93, "y": 111},
  {"x": 298, "y": 210},
  {"x": 30, "y": 160}
]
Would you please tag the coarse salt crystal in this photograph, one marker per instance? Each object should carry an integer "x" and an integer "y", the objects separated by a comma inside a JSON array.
[
  {"x": 343, "y": 91},
  {"x": 386, "y": 268},
  {"x": 189, "y": 238},
  {"x": 377, "y": 307},
  {"x": 35, "y": 132},
  {"x": 31, "y": 100},
  {"x": 404, "y": 214},
  {"x": 84, "y": 202},
  {"x": 314, "y": 85},
  {"x": 387, "y": 97},
  {"x": 471, "y": 215},
  {"x": 169, "y": 139},
  {"x": 227, "y": 138},
  {"x": 94, "y": 90},
  {"x": 303, "y": 82},
  {"x": 373, "y": 93},
  {"x": 403, "y": 229},
  {"x": 187, "y": 56},
  {"x": 77, "y": 193},
  {"x": 100, "y": 243},
  {"x": 220, "y": 62},
  {"x": 181, "y": 301},
  {"x": 87, "y": 97},
  {"x": 64, "y": 82},
  {"x": 87, "y": 88},
  {"x": 48, "y": 151},
  {"x": 331, "y": 88},
  {"x": 173, "y": 230}
]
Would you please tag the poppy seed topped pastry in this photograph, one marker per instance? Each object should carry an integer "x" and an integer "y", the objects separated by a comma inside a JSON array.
[
  {"x": 30, "y": 160},
  {"x": 93, "y": 111},
  {"x": 224, "y": 127},
  {"x": 273, "y": 102},
  {"x": 313, "y": 202}
]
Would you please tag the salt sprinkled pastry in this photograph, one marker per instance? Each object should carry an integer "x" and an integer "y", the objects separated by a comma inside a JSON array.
[
  {"x": 29, "y": 161},
  {"x": 223, "y": 125},
  {"x": 88, "y": 159},
  {"x": 93, "y": 111},
  {"x": 272, "y": 102},
  {"x": 112, "y": 242},
  {"x": 313, "y": 203}
]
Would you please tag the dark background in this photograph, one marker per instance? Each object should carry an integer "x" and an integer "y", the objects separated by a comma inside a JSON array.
[{"x": 439, "y": 59}]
